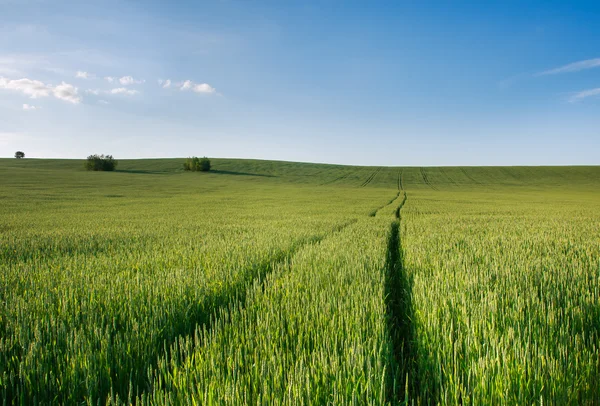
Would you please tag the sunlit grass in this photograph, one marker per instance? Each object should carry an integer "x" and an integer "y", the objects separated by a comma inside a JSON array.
[
  {"x": 506, "y": 296},
  {"x": 270, "y": 282}
]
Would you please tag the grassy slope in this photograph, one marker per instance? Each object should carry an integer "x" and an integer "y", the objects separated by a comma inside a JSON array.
[
  {"x": 99, "y": 272},
  {"x": 504, "y": 298},
  {"x": 320, "y": 174},
  {"x": 40, "y": 198}
]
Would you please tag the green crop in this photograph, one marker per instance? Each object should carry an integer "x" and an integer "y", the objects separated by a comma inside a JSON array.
[
  {"x": 264, "y": 282},
  {"x": 505, "y": 292},
  {"x": 313, "y": 332}
]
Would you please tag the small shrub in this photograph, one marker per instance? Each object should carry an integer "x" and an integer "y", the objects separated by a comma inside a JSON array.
[
  {"x": 100, "y": 163},
  {"x": 19, "y": 154},
  {"x": 205, "y": 164},
  {"x": 190, "y": 164},
  {"x": 196, "y": 164}
]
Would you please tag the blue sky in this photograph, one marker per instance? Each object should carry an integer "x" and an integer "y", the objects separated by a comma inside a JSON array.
[{"x": 352, "y": 82}]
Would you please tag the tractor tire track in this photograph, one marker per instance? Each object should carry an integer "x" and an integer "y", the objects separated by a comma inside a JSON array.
[
  {"x": 449, "y": 177},
  {"x": 239, "y": 299},
  {"x": 400, "y": 184},
  {"x": 222, "y": 302},
  {"x": 400, "y": 312},
  {"x": 426, "y": 179},
  {"x": 400, "y": 190},
  {"x": 344, "y": 176},
  {"x": 335, "y": 180},
  {"x": 377, "y": 210},
  {"x": 371, "y": 177},
  {"x": 464, "y": 171}
]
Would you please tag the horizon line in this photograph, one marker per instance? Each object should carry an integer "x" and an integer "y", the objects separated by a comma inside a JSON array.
[{"x": 323, "y": 163}]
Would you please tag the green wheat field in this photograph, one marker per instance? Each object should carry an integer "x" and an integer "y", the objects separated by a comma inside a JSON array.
[{"x": 279, "y": 283}]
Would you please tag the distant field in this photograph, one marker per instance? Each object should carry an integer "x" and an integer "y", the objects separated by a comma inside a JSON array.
[{"x": 268, "y": 282}]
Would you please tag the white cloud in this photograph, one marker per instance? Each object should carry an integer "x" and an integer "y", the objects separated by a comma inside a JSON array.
[
  {"x": 574, "y": 67},
  {"x": 166, "y": 84},
  {"x": 67, "y": 92},
  {"x": 123, "y": 90},
  {"x": 584, "y": 94},
  {"x": 119, "y": 90},
  {"x": 186, "y": 85},
  {"x": 129, "y": 80},
  {"x": 126, "y": 80},
  {"x": 32, "y": 88},
  {"x": 36, "y": 89},
  {"x": 196, "y": 87},
  {"x": 29, "y": 107},
  {"x": 110, "y": 79},
  {"x": 103, "y": 102},
  {"x": 83, "y": 75},
  {"x": 204, "y": 88}
]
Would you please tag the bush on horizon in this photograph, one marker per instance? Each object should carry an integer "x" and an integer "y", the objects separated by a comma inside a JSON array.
[
  {"x": 100, "y": 163},
  {"x": 196, "y": 164}
]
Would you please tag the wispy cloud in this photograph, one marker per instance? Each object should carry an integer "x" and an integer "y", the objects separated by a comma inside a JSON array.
[
  {"x": 573, "y": 67},
  {"x": 203, "y": 88},
  {"x": 36, "y": 89},
  {"x": 118, "y": 90},
  {"x": 83, "y": 75},
  {"x": 67, "y": 92},
  {"x": 103, "y": 102},
  {"x": 123, "y": 90},
  {"x": 584, "y": 94},
  {"x": 7, "y": 70},
  {"x": 125, "y": 80},
  {"x": 129, "y": 80},
  {"x": 164, "y": 83},
  {"x": 29, "y": 107},
  {"x": 32, "y": 88},
  {"x": 20, "y": 64},
  {"x": 186, "y": 85},
  {"x": 196, "y": 87}
]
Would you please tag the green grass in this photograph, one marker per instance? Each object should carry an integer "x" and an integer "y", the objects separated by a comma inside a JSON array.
[
  {"x": 267, "y": 282},
  {"x": 505, "y": 296},
  {"x": 101, "y": 271},
  {"x": 260, "y": 171},
  {"x": 314, "y": 332}
]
